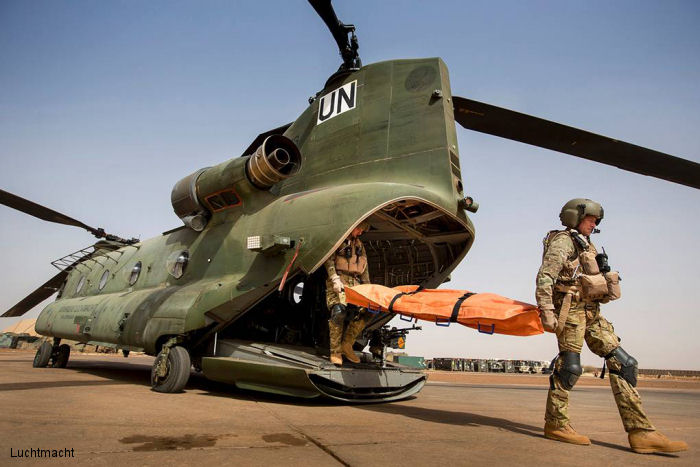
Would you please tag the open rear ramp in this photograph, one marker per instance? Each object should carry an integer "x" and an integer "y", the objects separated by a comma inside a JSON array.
[{"x": 299, "y": 372}]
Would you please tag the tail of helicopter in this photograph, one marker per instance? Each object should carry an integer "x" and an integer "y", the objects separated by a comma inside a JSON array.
[{"x": 381, "y": 143}]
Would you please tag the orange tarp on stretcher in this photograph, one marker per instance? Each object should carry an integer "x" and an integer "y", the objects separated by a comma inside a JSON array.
[{"x": 486, "y": 312}]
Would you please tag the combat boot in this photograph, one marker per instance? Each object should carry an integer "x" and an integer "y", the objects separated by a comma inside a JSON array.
[
  {"x": 567, "y": 434},
  {"x": 349, "y": 353},
  {"x": 337, "y": 359},
  {"x": 335, "y": 334},
  {"x": 353, "y": 330},
  {"x": 647, "y": 442}
]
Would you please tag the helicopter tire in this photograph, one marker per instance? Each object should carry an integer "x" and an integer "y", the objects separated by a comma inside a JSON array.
[
  {"x": 43, "y": 355},
  {"x": 62, "y": 356},
  {"x": 177, "y": 373}
]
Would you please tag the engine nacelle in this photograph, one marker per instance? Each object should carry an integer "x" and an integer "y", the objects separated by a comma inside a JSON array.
[{"x": 211, "y": 189}]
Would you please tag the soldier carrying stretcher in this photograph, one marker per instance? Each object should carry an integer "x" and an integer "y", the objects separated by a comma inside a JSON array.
[{"x": 571, "y": 284}]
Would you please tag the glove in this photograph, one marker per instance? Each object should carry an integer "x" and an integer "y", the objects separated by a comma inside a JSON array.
[
  {"x": 337, "y": 283},
  {"x": 549, "y": 321}
]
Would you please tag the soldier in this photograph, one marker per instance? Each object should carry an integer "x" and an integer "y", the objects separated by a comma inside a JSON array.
[
  {"x": 571, "y": 285},
  {"x": 347, "y": 266}
]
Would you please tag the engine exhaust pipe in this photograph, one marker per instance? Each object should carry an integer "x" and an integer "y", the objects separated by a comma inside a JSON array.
[{"x": 275, "y": 160}]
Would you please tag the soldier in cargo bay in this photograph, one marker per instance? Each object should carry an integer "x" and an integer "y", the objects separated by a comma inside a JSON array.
[
  {"x": 347, "y": 266},
  {"x": 571, "y": 284}
]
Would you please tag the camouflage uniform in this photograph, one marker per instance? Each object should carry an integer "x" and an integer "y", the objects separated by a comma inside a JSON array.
[
  {"x": 334, "y": 265},
  {"x": 584, "y": 322}
]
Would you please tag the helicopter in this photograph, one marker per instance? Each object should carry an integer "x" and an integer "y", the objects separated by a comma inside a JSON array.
[{"x": 211, "y": 291}]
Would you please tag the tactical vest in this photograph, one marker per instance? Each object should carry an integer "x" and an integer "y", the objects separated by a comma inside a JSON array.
[
  {"x": 580, "y": 275},
  {"x": 571, "y": 266},
  {"x": 351, "y": 258}
]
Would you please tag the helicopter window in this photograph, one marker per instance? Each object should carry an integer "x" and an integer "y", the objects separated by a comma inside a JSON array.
[
  {"x": 176, "y": 266},
  {"x": 223, "y": 200},
  {"x": 103, "y": 279},
  {"x": 80, "y": 285},
  {"x": 135, "y": 272}
]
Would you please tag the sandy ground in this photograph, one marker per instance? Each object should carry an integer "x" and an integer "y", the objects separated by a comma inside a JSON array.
[
  {"x": 542, "y": 380},
  {"x": 102, "y": 408}
]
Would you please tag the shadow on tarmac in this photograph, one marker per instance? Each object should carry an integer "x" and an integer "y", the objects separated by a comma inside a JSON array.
[
  {"x": 54, "y": 384},
  {"x": 140, "y": 374},
  {"x": 610, "y": 445},
  {"x": 456, "y": 418},
  {"x": 470, "y": 419},
  {"x": 627, "y": 449},
  {"x": 126, "y": 373}
]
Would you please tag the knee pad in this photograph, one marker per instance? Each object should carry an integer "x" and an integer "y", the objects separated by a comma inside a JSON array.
[
  {"x": 338, "y": 314},
  {"x": 628, "y": 363},
  {"x": 569, "y": 369}
]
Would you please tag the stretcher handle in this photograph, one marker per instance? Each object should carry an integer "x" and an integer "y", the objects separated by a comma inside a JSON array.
[
  {"x": 372, "y": 310},
  {"x": 484, "y": 331},
  {"x": 444, "y": 322},
  {"x": 403, "y": 318}
]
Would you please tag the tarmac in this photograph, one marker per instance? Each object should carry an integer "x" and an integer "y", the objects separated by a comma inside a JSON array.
[{"x": 101, "y": 410}]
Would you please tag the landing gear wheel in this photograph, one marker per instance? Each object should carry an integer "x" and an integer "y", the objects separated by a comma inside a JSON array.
[
  {"x": 170, "y": 373},
  {"x": 43, "y": 355},
  {"x": 62, "y": 355}
]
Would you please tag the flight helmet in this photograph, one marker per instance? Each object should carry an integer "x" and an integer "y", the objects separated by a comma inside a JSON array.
[{"x": 576, "y": 209}]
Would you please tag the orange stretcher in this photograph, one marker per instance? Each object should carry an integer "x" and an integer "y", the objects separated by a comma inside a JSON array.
[{"x": 486, "y": 312}]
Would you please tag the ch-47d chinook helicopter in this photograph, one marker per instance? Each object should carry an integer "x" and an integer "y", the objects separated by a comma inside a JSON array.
[{"x": 238, "y": 290}]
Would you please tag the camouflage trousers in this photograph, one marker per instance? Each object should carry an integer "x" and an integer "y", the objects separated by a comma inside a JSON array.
[
  {"x": 337, "y": 327},
  {"x": 586, "y": 323}
]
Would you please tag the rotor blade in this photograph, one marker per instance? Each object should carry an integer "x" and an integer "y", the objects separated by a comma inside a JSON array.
[
  {"x": 36, "y": 297},
  {"x": 339, "y": 30},
  {"x": 325, "y": 10},
  {"x": 513, "y": 125},
  {"x": 42, "y": 212}
]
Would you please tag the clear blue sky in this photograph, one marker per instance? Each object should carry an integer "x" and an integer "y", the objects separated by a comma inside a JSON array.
[{"x": 105, "y": 105}]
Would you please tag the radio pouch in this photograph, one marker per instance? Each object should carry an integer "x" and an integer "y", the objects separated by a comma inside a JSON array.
[
  {"x": 588, "y": 262},
  {"x": 613, "y": 280}
]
